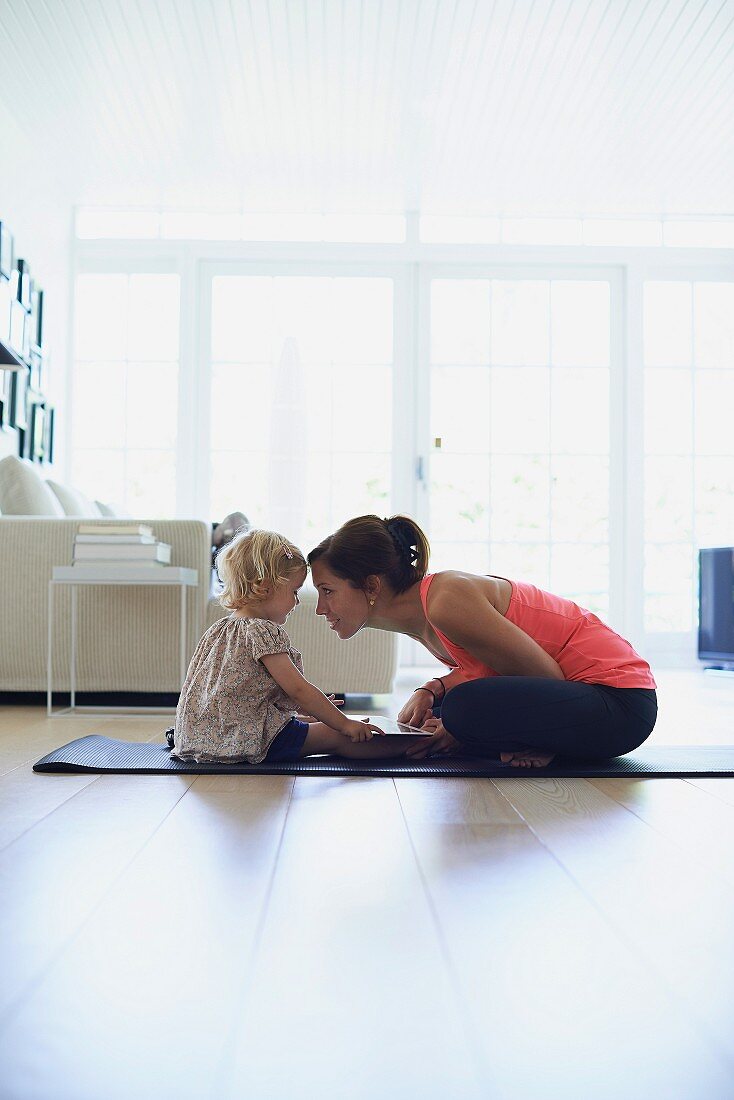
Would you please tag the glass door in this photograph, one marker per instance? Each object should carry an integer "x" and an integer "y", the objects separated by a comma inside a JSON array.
[
  {"x": 519, "y": 380},
  {"x": 300, "y": 399},
  {"x": 688, "y": 352}
]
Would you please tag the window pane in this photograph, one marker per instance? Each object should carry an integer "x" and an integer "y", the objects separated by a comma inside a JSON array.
[
  {"x": 460, "y": 408},
  {"x": 597, "y": 602},
  {"x": 100, "y": 475},
  {"x": 362, "y": 410},
  {"x": 579, "y": 411},
  {"x": 688, "y": 496},
  {"x": 101, "y": 317},
  {"x": 204, "y": 226},
  {"x": 360, "y": 486},
  {"x": 520, "y": 494},
  {"x": 580, "y": 324},
  {"x": 319, "y": 407},
  {"x": 667, "y": 324},
  {"x": 713, "y": 310},
  {"x": 318, "y": 499},
  {"x": 239, "y": 483},
  {"x": 668, "y": 411},
  {"x": 579, "y": 569},
  {"x": 359, "y": 321},
  {"x": 580, "y": 499},
  {"x": 126, "y": 406},
  {"x": 151, "y": 410},
  {"x": 668, "y": 588},
  {"x": 136, "y": 224},
  {"x": 242, "y": 319},
  {"x": 521, "y": 562},
  {"x": 714, "y": 501},
  {"x": 301, "y": 311},
  {"x": 668, "y": 499},
  {"x": 470, "y": 557},
  {"x": 317, "y": 430},
  {"x": 151, "y": 483},
  {"x": 714, "y": 407},
  {"x": 459, "y": 497},
  {"x": 236, "y": 387},
  {"x": 542, "y": 231},
  {"x": 460, "y": 313},
  {"x": 701, "y": 233},
  {"x": 99, "y": 405},
  {"x": 520, "y": 322},
  {"x": 153, "y": 326},
  {"x": 519, "y": 407},
  {"x": 535, "y": 410}
]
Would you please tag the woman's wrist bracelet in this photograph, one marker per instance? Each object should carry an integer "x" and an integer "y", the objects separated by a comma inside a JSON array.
[
  {"x": 429, "y": 692},
  {"x": 443, "y": 695}
]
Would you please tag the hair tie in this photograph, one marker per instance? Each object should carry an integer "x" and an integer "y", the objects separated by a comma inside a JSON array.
[{"x": 401, "y": 542}]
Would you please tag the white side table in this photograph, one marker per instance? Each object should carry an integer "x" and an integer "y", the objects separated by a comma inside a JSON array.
[{"x": 77, "y": 576}]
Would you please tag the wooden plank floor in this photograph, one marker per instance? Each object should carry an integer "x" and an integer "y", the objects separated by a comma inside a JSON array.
[{"x": 206, "y": 936}]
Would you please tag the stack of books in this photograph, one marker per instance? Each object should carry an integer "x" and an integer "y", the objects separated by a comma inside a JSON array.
[{"x": 127, "y": 547}]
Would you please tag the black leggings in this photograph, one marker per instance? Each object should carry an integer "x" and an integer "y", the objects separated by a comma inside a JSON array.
[{"x": 512, "y": 713}]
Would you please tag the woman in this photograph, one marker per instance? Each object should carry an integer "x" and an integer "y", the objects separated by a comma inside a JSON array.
[{"x": 532, "y": 674}]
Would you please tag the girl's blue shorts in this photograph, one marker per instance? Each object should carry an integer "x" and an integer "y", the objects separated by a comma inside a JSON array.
[{"x": 289, "y": 742}]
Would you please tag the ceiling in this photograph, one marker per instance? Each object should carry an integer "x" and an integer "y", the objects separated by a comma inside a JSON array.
[{"x": 545, "y": 107}]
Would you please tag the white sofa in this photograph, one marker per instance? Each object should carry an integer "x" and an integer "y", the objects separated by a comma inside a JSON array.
[{"x": 127, "y": 639}]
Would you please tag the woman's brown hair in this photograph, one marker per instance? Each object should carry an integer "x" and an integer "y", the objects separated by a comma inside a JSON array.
[{"x": 393, "y": 548}]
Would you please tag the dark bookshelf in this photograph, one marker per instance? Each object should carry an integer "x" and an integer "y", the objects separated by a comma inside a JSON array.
[{"x": 23, "y": 406}]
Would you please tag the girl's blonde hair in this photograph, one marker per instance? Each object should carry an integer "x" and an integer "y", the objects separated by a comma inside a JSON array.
[{"x": 253, "y": 560}]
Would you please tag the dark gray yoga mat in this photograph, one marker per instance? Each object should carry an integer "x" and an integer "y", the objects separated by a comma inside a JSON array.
[{"x": 105, "y": 754}]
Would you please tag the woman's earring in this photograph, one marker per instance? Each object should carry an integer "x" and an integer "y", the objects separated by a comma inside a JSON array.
[{"x": 372, "y": 603}]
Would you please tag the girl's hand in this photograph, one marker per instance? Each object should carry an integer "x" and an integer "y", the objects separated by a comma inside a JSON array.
[
  {"x": 417, "y": 710},
  {"x": 360, "y": 731},
  {"x": 438, "y": 741}
]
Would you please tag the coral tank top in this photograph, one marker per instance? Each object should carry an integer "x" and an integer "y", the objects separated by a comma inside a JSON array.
[{"x": 582, "y": 645}]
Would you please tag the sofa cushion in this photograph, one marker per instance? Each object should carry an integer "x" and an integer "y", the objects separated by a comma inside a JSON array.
[
  {"x": 72, "y": 501},
  {"x": 23, "y": 492},
  {"x": 104, "y": 509}
]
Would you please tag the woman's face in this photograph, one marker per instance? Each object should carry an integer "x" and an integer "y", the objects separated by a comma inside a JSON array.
[{"x": 344, "y": 607}]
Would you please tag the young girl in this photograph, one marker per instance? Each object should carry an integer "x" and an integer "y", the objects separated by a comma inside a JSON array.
[{"x": 245, "y": 684}]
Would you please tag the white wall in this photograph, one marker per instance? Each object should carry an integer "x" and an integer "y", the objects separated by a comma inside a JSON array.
[{"x": 36, "y": 204}]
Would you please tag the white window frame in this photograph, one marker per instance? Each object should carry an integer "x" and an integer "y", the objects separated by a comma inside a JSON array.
[{"x": 412, "y": 265}]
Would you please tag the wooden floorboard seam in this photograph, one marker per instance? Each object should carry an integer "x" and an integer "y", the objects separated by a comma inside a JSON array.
[
  {"x": 222, "y": 1073},
  {"x": 14, "y": 1006},
  {"x": 484, "y": 1070},
  {"x": 636, "y": 949}
]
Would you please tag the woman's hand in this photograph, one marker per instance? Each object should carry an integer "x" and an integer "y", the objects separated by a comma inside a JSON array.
[
  {"x": 418, "y": 708},
  {"x": 360, "y": 731},
  {"x": 440, "y": 741}
]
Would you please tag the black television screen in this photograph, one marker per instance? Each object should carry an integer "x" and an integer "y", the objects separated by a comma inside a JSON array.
[{"x": 716, "y": 603}]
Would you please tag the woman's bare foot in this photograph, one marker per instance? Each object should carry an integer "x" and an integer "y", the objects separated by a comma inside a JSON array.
[{"x": 529, "y": 758}]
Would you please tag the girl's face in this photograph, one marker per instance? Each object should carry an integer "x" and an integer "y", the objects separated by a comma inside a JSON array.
[
  {"x": 284, "y": 597},
  {"x": 344, "y": 607}
]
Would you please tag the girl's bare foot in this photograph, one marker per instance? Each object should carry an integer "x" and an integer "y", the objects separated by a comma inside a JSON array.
[{"x": 529, "y": 758}]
